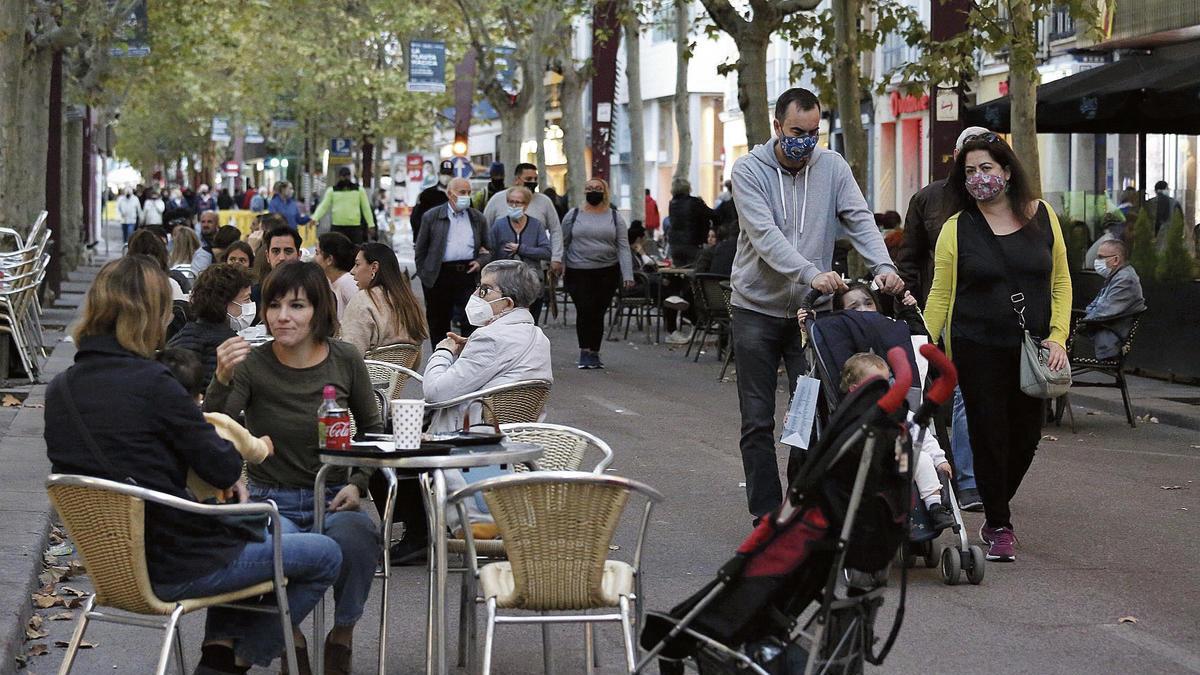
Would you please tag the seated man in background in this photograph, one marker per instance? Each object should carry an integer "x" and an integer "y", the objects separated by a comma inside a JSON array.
[{"x": 1108, "y": 319}]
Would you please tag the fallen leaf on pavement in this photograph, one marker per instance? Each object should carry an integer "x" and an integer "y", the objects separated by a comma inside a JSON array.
[
  {"x": 35, "y": 634},
  {"x": 1127, "y": 619},
  {"x": 35, "y": 621},
  {"x": 73, "y": 603},
  {"x": 10, "y": 401},
  {"x": 43, "y": 601},
  {"x": 73, "y": 591},
  {"x": 65, "y": 548},
  {"x": 62, "y": 616},
  {"x": 1049, "y": 438},
  {"x": 38, "y": 649}
]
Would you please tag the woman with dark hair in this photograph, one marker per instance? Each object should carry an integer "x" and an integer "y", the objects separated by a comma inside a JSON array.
[
  {"x": 596, "y": 255},
  {"x": 221, "y": 305},
  {"x": 1000, "y": 269},
  {"x": 240, "y": 253},
  {"x": 384, "y": 311},
  {"x": 146, "y": 427},
  {"x": 280, "y": 385},
  {"x": 145, "y": 242}
]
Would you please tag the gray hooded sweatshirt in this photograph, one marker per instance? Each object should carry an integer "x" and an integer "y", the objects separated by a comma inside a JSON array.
[{"x": 789, "y": 224}]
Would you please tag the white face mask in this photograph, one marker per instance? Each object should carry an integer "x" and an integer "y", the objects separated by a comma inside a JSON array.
[
  {"x": 1101, "y": 267},
  {"x": 243, "y": 321},
  {"x": 479, "y": 311}
]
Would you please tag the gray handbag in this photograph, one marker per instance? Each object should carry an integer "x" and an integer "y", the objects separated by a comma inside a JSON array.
[{"x": 1037, "y": 379}]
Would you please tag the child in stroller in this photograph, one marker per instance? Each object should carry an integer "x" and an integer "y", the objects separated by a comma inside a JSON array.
[{"x": 931, "y": 459}]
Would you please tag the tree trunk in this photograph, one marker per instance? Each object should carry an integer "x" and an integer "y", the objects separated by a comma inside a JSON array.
[
  {"x": 849, "y": 94},
  {"x": 368, "y": 163},
  {"x": 1023, "y": 83},
  {"x": 683, "y": 108},
  {"x": 24, "y": 91},
  {"x": 512, "y": 130},
  {"x": 573, "y": 131},
  {"x": 752, "y": 84},
  {"x": 635, "y": 113},
  {"x": 538, "y": 109},
  {"x": 72, "y": 187}
]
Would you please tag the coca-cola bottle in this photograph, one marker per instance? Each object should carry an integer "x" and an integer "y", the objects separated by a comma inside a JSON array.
[{"x": 333, "y": 423}]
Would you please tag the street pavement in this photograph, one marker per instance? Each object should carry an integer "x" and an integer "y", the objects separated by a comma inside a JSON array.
[{"x": 1101, "y": 538}]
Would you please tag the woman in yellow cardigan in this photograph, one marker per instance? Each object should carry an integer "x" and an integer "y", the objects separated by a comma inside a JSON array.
[{"x": 1000, "y": 258}]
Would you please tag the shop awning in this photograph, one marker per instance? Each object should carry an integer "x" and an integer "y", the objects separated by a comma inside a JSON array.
[{"x": 1150, "y": 93}]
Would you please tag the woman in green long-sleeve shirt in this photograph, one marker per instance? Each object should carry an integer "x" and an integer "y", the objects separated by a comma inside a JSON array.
[{"x": 279, "y": 386}]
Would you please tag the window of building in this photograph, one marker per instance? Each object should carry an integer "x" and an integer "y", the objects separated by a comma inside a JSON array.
[{"x": 1062, "y": 24}]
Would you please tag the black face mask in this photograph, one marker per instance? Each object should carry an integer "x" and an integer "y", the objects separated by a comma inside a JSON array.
[
  {"x": 594, "y": 198},
  {"x": 531, "y": 185}
]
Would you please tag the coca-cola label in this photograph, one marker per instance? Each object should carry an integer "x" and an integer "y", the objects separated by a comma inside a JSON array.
[{"x": 334, "y": 431}]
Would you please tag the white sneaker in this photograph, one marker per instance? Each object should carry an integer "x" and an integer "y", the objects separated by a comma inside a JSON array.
[{"x": 678, "y": 338}]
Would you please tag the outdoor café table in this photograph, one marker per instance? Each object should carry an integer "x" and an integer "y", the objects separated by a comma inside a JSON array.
[{"x": 432, "y": 468}]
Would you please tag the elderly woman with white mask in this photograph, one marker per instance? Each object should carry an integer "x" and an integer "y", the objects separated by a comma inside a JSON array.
[{"x": 507, "y": 347}]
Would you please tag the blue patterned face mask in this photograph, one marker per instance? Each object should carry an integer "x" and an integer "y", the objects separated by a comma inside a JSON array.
[{"x": 799, "y": 148}]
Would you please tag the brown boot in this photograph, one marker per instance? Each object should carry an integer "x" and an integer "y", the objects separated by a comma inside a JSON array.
[{"x": 337, "y": 658}]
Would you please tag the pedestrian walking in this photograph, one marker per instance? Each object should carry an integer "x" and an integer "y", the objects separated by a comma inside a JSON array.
[
  {"x": 653, "y": 221},
  {"x": 791, "y": 196},
  {"x": 349, "y": 208},
  {"x": 153, "y": 209},
  {"x": 129, "y": 209},
  {"x": 927, "y": 210},
  {"x": 691, "y": 219},
  {"x": 431, "y": 197},
  {"x": 286, "y": 205},
  {"x": 1162, "y": 207},
  {"x": 1000, "y": 269},
  {"x": 204, "y": 201},
  {"x": 597, "y": 258},
  {"x": 451, "y": 248},
  {"x": 539, "y": 207}
]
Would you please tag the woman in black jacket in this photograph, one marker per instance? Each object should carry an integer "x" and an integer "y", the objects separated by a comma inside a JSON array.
[
  {"x": 222, "y": 306},
  {"x": 119, "y": 414}
]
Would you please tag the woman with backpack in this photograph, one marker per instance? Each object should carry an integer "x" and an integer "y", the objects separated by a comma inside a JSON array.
[{"x": 597, "y": 259}]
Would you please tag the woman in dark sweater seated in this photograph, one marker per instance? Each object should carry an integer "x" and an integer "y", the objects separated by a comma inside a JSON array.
[
  {"x": 222, "y": 306},
  {"x": 280, "y": 386},
  {"x": 146, "y": 427}
]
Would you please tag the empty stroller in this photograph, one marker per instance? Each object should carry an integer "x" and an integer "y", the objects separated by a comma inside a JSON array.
[
  {"x": 834, "y": 337},
  {"x": 802, "y": 591}
]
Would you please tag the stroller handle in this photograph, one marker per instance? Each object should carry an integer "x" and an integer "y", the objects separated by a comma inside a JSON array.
[
  {"x": 943, "y": 386},
  {"x": 811, "y": 299},
  {"x": 898, "y": 360}
]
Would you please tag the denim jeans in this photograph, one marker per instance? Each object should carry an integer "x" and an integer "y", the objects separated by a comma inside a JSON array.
[
  {"x": 127, "y": 230},
  {"x": 355, "y": 533},
  {"x": 759, "y": 342},
  {"x": 960, "y": 445},
  {"x": 310, "y": 562}
]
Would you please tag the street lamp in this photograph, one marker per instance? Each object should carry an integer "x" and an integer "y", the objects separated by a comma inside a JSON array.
[
  {"x": 274, "y": 162},
  {"x": 283, "y": 162}
]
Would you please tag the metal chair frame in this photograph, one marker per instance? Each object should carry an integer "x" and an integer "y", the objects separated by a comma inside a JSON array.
[
  {"x": 1114, "y": 367},
  {"x": 713, "y": 317},
  {"x": 645, "y": 307},
  {"x": 487, "y": 393},
  {"x": 630, "y": 608},
  {"x": 171, "y": 625}
]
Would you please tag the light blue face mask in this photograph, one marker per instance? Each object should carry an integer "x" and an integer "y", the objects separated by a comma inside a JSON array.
[
  {"x": 516, "y": 212},
  {"x": 461, "y": 203}
]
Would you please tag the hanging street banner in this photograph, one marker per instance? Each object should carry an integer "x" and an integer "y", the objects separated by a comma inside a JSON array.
[
  {"x": 254, "y": 134},
  {"x": 506, "y": 69},
  {"x": 606, "y": 36},
  {"x": 132, "y": 37},
  {"x": 427, "y": 66}
]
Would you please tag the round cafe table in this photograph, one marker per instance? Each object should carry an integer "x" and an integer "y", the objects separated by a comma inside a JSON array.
[{"x": 432, "y": 470}]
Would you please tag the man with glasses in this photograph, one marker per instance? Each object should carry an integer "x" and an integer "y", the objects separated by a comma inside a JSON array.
[
  {"x": 792, "y": 196},
  {"x": 927, "y": 210},
  {"x": 453, "y": 243}
]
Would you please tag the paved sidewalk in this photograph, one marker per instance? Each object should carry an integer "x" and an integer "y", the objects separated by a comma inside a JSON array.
[
  {"x": 24, "y": 508},
  {"x": 1169, "y": 403}
]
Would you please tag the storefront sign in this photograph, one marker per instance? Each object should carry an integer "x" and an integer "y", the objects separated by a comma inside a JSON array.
[
  {"x": 415, "y": 165},
  {"x": 947, "y": 105},
  {"x": 908, "y": 104},
  {"x": 232, "y": 169},
  {"x": 427, "y": 66}
]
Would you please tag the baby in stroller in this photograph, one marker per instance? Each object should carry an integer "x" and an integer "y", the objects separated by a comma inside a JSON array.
[{"x": 931, "y": 459}]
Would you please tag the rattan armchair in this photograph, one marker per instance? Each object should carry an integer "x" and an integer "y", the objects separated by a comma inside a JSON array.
[
  {"x": 563, "y": 447},
  {"x": 390, "y": 379},
  {"x": 522, "y": 401},
  {"x": 404, "y": 355},
  {"x": 557, "y": 528},
  {"x": 106, "y": 520}
]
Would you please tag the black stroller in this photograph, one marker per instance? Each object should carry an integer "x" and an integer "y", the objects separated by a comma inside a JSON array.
[
  {"x": 831, "y": 339},
  {"x": 801, "y": 594}
]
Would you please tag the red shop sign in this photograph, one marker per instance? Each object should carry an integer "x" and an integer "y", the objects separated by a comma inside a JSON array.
[{"x": 908, "y": 104}]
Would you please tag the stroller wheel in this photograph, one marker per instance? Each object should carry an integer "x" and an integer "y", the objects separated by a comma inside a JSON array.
[
  {"x": 929, "y": 552},
  {"x": 951, "y": 566},
  {"x": 978, "y": 560}
]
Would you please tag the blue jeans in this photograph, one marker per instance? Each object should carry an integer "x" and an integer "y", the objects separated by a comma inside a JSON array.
[
  {"x": 310, "y": 562},
  {"x": 127, "y": 230},
  {"x": 759, "y": 342},
  {"x": 960, "y": 445},
  {"x": 355, "y": 533}
]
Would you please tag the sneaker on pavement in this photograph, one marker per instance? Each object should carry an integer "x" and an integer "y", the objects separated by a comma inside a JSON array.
[
  {"x": 1001, "y": 543},
  {"x": 968, "y": 500},
  {"x": 678, "y": 337},
  {"x": 597, "y": 364},
  {"x": 940, "y": 518},
  {"x": 585, "y": 359}
]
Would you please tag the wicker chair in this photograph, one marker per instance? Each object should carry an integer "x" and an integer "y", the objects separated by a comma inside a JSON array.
[
  {"x": 563, "y": 447},
  {"x": 390, "y": 378},
  {"x": 406, "y": 356},
  {"x": 1088, "y": 363},
  {"x": 558, "y": 527},
  {"x": 522, "y": 401},
  {"x": 106, "y": 520}
]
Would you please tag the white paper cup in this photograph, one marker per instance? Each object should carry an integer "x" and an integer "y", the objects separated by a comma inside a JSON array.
[{"x": 407, "y": 416}]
